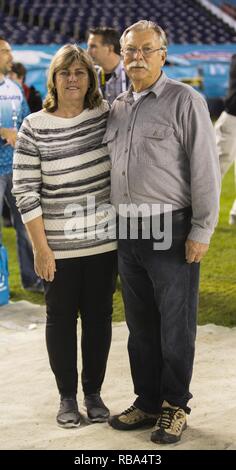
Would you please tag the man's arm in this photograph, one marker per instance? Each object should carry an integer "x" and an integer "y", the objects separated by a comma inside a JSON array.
[
  {"x": 25, "y": 110},
  {"x": 200, "y": 147}
]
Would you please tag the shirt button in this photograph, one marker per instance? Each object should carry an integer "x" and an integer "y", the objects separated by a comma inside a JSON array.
[
  {"x": 126, "y": 150},
  {"x": 126, "y": 194},
  {"x": 129, "y": 128},
  {"x": 123, "y": 173}
]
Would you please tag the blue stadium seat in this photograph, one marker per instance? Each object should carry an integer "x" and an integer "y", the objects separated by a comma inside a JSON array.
[{"x": 66, "y": 20}]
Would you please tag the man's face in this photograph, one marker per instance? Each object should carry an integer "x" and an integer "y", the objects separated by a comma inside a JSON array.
[
  {"x": 97, "y": 50},
  {"x": 6, "y": 58},
  {"x": 142, "y": 67}
]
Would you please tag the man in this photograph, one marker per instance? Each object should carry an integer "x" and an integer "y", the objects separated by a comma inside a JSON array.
[
  {"x": 104, "y": 48},
  {"x": 225, "y": 132},
  {"x": 163, "y": 151},
  {"x": 13, "y": 109},
  {"x": 18, "y": 74}
]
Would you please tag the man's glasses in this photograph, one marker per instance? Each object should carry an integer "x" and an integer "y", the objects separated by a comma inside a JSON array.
[{"x": 145, "y": 51}]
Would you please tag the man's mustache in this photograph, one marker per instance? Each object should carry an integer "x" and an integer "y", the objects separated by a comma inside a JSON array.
[{"x": 136, "y": 64}]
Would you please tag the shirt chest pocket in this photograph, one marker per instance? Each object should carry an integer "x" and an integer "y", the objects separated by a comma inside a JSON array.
[
  {"x": 156, "y": 144},
  {"x": 111, "y": 140}
]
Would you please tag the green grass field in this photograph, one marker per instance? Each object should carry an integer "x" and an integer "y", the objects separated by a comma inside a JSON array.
[{"x": 218, "y": 270}]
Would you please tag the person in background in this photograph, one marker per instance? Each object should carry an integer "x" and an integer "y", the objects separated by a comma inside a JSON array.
[
  {"x": 33, "y": 97},
  {"x": 13, "y": 109},
  {"x": 104, "y": 48},
  {"x": 225, "y": 128},
  {"x": 62, "y": 186},
  {"x": 34, "y": 100},
  {"x": 6, "y": 215},
  {"x": 164, "y": 159}
]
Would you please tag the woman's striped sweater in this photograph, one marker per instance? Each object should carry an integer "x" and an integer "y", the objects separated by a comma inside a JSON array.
[{"x": 61, "y": 167}]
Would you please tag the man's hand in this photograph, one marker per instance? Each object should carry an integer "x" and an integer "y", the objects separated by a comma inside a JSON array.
[
  {"x": 195, "y": 251},
  {"x": 9, "y": 135}
]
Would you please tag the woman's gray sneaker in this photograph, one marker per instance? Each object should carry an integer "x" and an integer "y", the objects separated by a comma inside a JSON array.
[
  {"x": 68, "y": 415},
  {"x": 96, "y": 409}
]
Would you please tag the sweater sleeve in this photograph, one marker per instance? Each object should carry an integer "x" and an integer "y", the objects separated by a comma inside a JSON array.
[{"x": 27, "y": 178}]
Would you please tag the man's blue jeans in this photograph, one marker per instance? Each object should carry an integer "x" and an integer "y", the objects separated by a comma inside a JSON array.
[
  {"x": 24, "y": 248},
  {"x": 160, "y": 292}
]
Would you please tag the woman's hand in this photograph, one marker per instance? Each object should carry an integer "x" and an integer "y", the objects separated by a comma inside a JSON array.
[
  {"x": 44, "y": 263},
  {"x": 44, "y": 259}
]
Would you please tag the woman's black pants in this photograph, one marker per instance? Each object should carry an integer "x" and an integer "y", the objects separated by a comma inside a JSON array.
[{"x": 85, "y": 285}]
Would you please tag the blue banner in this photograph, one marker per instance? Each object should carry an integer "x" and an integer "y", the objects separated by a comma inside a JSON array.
[
  {"x": 204, "y": 66},
  {"x": 36, "y": 59},
  {"x": 211, "y": 62}
]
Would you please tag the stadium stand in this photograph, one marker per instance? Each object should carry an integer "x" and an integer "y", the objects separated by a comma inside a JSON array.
[
  {"x": 19, "y": 32},
  {"x": 186, "y": 21}
]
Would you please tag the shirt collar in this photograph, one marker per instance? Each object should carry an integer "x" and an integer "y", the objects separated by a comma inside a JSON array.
[
  {"x": 159, "y": 84},
  {"x": 118, "y": 69},
  {"x": 156, "y": 89}
]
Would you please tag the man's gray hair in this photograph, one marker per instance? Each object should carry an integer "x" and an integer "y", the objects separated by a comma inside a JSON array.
[{"x": 144, "y": 25}]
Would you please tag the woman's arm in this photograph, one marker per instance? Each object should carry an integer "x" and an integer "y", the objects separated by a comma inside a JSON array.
[{"x": 27, "y": 182}]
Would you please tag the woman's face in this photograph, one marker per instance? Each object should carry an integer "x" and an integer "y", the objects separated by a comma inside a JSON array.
[{"x": 72, "y": 84}]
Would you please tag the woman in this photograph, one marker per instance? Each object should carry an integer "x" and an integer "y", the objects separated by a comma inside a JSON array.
[{"x": 61, "y": 178}]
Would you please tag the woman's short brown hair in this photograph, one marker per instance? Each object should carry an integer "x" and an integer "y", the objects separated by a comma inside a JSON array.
[{"x": 63, "y": 58}]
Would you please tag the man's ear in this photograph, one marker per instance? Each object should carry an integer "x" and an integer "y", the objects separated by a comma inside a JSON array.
[
  {"x": 111, "y": 48},
  {"x": 163, "y": 57}
]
